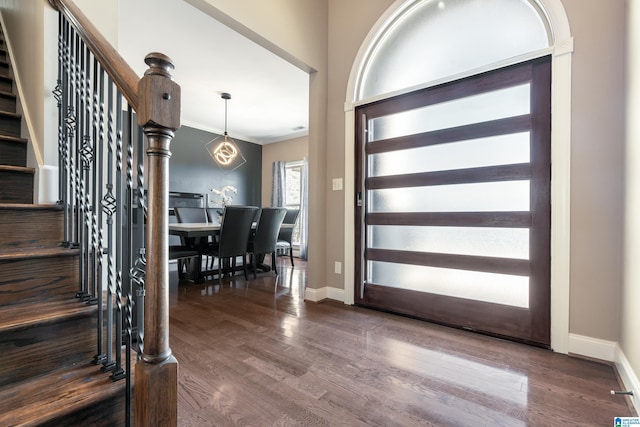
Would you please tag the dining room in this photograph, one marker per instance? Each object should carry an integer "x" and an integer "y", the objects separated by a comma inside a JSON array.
[{"x": 202, "y": 187}]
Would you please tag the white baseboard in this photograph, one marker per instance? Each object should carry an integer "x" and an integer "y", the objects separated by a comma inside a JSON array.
[
  {"x": 592, "y": 347},
  {"x": 327, "y": 292},
  {"x": 47, "y": 185},
  {"x": 315, "y": 295},
  {"x": 628, "y": 377}
]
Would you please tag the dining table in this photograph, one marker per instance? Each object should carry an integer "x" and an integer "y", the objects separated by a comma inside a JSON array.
[{"x": 196, "y": 235}]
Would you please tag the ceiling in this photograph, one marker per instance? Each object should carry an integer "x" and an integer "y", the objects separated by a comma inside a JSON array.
[{"x": 269, "y": 96}]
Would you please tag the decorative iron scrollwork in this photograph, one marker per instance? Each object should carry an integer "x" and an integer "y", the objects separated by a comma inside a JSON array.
[
  {"x": 139, "y": 270},
  {"x": 109, "y": 203},
  {"x": 87, "y": 152},
  {"x": 57, "y": 93},
  {"x": 70, "y": 120}
]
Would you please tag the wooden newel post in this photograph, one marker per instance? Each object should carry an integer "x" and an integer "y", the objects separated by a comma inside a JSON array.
[{"x": 156, "y": 374}]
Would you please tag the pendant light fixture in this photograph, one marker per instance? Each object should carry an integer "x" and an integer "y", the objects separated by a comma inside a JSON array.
[{"x": 225, "y": 152}]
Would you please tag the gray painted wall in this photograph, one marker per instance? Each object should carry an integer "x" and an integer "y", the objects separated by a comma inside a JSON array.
[{"x": 192, "y": 170}]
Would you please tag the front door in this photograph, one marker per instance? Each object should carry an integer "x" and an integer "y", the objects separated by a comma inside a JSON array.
[{"x": 453, "y": 216}]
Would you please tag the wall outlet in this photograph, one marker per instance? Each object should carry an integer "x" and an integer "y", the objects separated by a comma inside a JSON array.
[
  {"x": 337, "y": 184},
  {"x": 337, "y": 267}
]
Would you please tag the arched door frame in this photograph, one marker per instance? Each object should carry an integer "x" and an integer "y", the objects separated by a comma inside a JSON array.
[{"x": 561, "y": 50}]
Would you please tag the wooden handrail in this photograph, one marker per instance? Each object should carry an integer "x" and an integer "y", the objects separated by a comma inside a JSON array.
[{"x": 116, "y": 67}]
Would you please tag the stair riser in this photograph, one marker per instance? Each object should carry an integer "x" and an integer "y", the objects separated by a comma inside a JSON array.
[
  {"x": 17, "y": 231},
  {"x": 8, "y": 103},
  {"x": 5, "y": 70},
  {"x": 34, "y": 351},
  {"x": 16, "y": 187},
  {"x": 13, "y": 153},
  {"x": 38, "y": 279},
  {"x": 6, "y": 84},
  {"x": 10, "y": 126}
]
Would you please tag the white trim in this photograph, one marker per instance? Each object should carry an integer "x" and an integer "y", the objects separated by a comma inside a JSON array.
[
  {"x": 328, "y": 292},
  {"x": 592, "y": 347},
  {"x": 560, "y": 198},
  {"x": 366, "y": 48},
  {"x": 562, "y": 42},
  {"x": 315, "y": 294},
  {"x": 47, "y": 184},
  {"x": 335, "y": 294},
  {"x": 349, "y": 209},
  {"x": 628, "y": 376}
]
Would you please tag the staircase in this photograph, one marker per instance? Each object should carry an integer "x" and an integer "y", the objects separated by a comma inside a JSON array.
[{"x": 47, "y": 336}]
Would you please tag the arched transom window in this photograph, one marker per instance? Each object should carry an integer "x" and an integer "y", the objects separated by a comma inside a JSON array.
[{"x": 430, "y": 40}]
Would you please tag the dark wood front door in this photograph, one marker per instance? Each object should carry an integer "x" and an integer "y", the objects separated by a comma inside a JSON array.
[{"x": 453, "y": 216}]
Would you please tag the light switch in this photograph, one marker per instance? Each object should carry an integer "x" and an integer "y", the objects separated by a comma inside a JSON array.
[{"x": 337, "y": 184}]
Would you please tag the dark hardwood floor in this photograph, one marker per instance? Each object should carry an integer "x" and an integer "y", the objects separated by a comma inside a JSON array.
[{"x": 254, "y": 353}]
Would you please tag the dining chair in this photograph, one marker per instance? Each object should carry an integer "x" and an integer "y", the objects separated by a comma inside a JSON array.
[
  {"x": 235, "y": 230},
  {"x": 181, "y": 250},
  {"x": 265, "y": 237},
  {"x": 285, "y": 236},
  {"x": 187, "y": 214}
]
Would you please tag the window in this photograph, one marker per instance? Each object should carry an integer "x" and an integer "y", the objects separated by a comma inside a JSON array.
[
  {"x": 293, "y": 193},
  {"x": 425, "y": 44}
]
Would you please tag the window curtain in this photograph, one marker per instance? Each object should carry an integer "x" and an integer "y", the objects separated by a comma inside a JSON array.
[
  {"x": 304, "y": 209},
  {"x": 278, "y": 184}
]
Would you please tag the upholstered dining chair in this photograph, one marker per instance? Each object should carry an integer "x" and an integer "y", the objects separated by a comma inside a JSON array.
[
  {"x": 186, "y": 214},
  {"x": 235, "y": 230},
  {"x": 265, "y": 237},
  {"x": 285, "y": 236}
]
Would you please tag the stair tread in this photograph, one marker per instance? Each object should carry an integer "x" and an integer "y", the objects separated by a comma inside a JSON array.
[
  {"x": 43, "y": 252},
  {"x": 56, "y": 394},
  {"x": 9, "y": 113},
  {"x": 20, "y": 316},
  {"x": 22, "y": 169},
  {"x": 30, "y": 206},
  {"x": 10, "y": 138}
]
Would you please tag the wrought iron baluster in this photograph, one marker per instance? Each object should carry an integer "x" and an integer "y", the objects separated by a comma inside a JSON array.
[
  {"x": 125, "y": 284},
  {"x": 81, "y": 190},
  {"x": 98, "y": 197},
  {"x": 65, "y": 167},
  {"x": 70, "y": 129},
  {"x": 57, "y": 95},
  {"x": 87, "y": 151},
  {"x": 109, "y": 206},
  {"x": 139, "y": 236},
  {"x": 112, "y": 292}
]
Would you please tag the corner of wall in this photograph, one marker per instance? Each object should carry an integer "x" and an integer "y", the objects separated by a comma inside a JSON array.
[
  {"x": 628, "y": 377},
  {"x": 327, "y": 292},
  {"x": 608, "y": 351}
]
